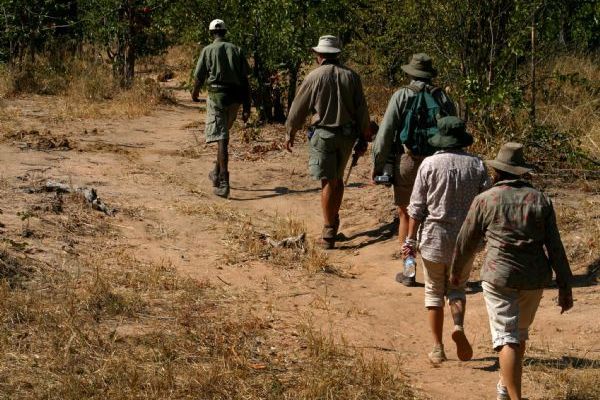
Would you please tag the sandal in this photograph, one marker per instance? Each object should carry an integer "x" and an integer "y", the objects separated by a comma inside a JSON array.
[{"x": 464, "y": 351}]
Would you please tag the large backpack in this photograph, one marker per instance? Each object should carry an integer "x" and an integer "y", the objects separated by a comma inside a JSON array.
[{"x": 420, "y": 122}]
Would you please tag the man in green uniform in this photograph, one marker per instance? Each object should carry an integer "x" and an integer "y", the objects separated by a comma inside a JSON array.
[
  {"x": 420, "y": 71},
  {"x": 333, "y": 95},
  {"x": 224, "y": 68}
]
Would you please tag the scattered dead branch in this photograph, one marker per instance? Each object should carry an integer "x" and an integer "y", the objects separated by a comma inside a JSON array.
[
  {"x": 36, "y": 140},
  {"x": 89, "y": 194},
  {"x": 297, "y": 242}
]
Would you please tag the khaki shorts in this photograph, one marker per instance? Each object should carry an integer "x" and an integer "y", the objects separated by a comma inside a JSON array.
[
  {"x": 329, "y": 153},
  {"x": 405, "y": 173},
  {"x": 437, "y": 285},
  {"x": 219, "y": 120},
  {"x": 510, "y": 312}
]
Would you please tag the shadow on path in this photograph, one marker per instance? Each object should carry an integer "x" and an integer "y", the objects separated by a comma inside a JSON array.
[
  {"x": 275, "y": 192},
  {"x": 376, "y": 235}
]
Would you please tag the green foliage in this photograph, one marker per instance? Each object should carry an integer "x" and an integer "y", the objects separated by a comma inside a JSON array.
[{"x": 483, "y": 50}]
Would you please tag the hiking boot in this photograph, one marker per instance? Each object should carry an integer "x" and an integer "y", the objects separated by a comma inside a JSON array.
[
  {"x": 501, "y": 392},
  {"x": 464, "y": 351},
  {"x": 213, "y": 175},
  {"x": 223, "y": 189},
  {"x": 328, "y": 237},
  {"x": 437, "y": 355}
]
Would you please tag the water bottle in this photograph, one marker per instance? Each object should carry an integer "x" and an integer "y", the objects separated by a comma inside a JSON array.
[{"x": 410, "y": 265}]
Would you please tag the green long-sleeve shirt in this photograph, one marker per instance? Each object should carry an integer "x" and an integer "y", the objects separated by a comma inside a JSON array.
[
  {"x": 394, "y": 117},
  {"x": 518, "y": 222},
  {"x": 224, "y": 68}
]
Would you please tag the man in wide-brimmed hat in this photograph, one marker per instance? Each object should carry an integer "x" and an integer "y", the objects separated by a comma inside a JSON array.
[
  {"x": 445, "y": 185},
  {"x": 523, "y": 247},
  {"x": 224, "y": 68},
  {"x": 333, "y": 96},
  {"x": 405, "y": 154}
]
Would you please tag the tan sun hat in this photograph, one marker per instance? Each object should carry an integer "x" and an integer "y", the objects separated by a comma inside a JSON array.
[
  {"x": 328, "y": 44},
  {"x": 510, "y": 159},
  {"x": 420, "y": 66}
]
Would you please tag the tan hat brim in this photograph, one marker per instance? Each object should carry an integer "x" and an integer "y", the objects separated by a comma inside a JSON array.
[
  {"x": 511, "y": 169},
  {"x": 418, "y": 73},
  {"x": 326, "y": 50}
]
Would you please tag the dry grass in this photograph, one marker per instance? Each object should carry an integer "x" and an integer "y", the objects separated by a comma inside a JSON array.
[
  {"x": 568, "y": 378},
  {"x": 245, "y": 239},
  {"x": 99, "y": 323},
  {"x": 83, "y": 89},
  {"x": 578, "y": 218},
  {"x": 179, "y": 62},
  {"x": 571, "y": 101}
]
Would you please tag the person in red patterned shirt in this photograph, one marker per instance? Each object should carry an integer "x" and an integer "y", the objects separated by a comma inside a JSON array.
[{"x": 519, "y": 225}]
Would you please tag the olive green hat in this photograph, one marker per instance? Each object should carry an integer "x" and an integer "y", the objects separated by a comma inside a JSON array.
[
  {"x": 510, "y": 159},
  {"x": 420, "y": 66},
  {"x": 452, "y": 134}
]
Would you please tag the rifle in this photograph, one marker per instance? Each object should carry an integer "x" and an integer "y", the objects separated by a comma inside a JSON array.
[{"x": 373, "y": 127}]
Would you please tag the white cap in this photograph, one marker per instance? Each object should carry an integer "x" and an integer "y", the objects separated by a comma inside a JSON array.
[
  {"x": 328, "y": 44},
  {"x": 217, "y": 25}
]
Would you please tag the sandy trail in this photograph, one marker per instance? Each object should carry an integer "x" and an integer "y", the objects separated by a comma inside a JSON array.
[{"x": 152, "y": 181}]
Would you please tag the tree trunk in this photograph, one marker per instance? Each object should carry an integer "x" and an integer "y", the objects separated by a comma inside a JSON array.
[
  {"x": 294, "y": 69},
  {"x": 533, "y": 88}
]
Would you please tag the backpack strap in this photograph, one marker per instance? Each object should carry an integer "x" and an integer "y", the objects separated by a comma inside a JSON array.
[
  {"x": 414, "y": 88},
  {"x": 432, "y": 89}
]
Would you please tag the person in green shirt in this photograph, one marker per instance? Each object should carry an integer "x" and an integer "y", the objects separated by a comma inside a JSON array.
[
  {"x": 420, "y": 72},
  {"x": 224, "y": 69}
]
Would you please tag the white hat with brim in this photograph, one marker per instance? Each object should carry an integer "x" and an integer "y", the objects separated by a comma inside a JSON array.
[
  {"x": 217, "y": 25},
  {"x": 510, "y": 159},
  {"x": 328, "y": 44}
]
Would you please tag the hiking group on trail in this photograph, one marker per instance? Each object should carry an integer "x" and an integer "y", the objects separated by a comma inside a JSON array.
[{"x": 448, "y": 205}]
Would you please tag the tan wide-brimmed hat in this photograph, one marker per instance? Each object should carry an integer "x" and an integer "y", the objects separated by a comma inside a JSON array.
[
  {"x": 328, "y": 44},
  {"x": 420, "y": 66},
  {"x": 510, "y": 159}
]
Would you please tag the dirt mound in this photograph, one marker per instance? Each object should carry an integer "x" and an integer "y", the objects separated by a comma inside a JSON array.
[{"x": 36, "y": 140}]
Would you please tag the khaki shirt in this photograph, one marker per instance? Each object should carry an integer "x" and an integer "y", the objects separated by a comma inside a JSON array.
[
  {"x": 519, "y": 225},
  {"x": 394, "y": 117},
  {"x": 222, "y": 63},
  {"x": 333, "y": 95}
]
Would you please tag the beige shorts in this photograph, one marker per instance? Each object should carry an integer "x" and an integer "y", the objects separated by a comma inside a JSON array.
[
  {"x": 219, "y": 120},
  {"x": 405, "y": 173},
  {"x": 511, "y": 312},
  {"x": 437, "y": 285}
]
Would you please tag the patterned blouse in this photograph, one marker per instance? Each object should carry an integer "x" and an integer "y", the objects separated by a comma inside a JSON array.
[{"x": 446, "y": 184}]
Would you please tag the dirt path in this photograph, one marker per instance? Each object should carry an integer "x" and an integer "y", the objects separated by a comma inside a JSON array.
[{"x": 154, "y": 170}]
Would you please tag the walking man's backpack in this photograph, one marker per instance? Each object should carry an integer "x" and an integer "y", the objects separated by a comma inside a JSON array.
[{"x": 420, "y": 122}]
